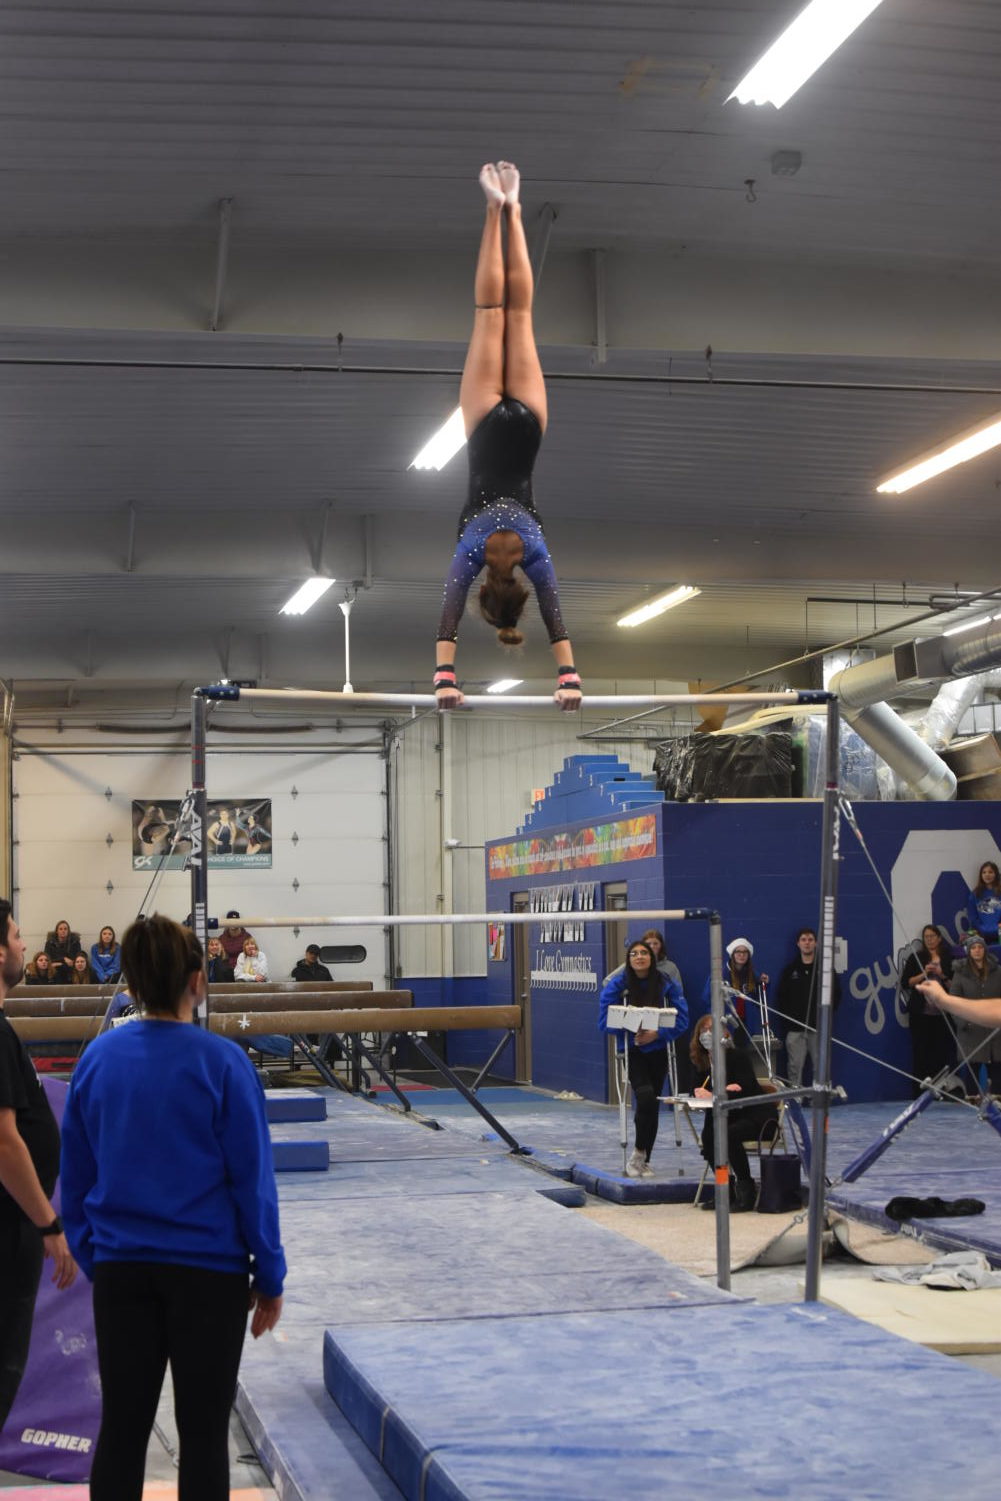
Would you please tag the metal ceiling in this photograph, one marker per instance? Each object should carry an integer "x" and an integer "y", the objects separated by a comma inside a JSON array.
[{"x": 163, "y": 489}]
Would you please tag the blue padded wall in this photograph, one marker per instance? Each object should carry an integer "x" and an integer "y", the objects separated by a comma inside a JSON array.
[{"x": 758, "y": 863}]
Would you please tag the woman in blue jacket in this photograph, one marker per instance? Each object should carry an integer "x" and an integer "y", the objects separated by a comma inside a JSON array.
[
  {"x": 641, "y": 984},
  {"x": 169, "y": 1200},
  {"x": 106, "y": 957},
  {"x": 983, "y": 906}
]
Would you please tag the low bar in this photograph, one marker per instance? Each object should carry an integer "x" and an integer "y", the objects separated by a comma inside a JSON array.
[{"x": 444, "y": 920}]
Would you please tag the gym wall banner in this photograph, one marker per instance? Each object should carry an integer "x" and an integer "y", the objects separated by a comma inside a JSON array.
[
  {"x": 600, "y": 844},
  {"x": 238, "y": 835}
]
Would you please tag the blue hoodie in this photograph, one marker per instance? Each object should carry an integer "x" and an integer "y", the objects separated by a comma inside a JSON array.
[
  {"x": 614, "y": 994},
  {"x": 166, "y": 1155},
  {"x": 984, "y": 913},
  {"x": 107, "y": 966}
]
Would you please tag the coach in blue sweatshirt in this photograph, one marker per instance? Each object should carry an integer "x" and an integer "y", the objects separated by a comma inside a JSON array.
[{"x": 170, "y": 1206}]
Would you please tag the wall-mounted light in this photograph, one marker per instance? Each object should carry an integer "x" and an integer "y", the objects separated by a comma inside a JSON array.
[
  {"x": 439, "y": 448},
  {"x": 968, "y": 445},
  {"x": 803, "y": 47},
  {"x": 504, "y": 685},
  {"x": 306, "y": 596},
  {"x": 657, "y": 606}
]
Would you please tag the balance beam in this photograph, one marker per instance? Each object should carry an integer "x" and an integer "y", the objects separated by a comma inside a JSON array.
[
  {"x": 309, "y": 1000},
  {"x": 386, "y": 1019},
  {"x": 289, "y": 1023}
]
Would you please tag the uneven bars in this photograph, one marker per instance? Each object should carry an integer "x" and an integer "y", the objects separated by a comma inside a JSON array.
[
  {"x": 441, "y": 920},
  {"x": 229, "y": 693}
]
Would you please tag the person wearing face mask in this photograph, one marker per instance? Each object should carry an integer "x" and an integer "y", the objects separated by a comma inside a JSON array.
[
  {"x": 796, "y": 999},
  {"x": 741, "y": 1125},
  {"x": 640, "y": 983}
]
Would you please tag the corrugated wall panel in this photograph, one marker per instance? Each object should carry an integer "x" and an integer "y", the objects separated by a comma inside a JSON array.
[{"x": 495, "y": 763}]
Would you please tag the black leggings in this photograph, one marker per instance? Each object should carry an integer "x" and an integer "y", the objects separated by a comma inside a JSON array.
[
  {"x": 647, "y": 1072},
  {"x": 146, "y": 1315},
  {"x": 21, "y": 1261}
]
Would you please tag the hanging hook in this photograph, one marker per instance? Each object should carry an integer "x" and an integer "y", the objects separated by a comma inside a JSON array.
[{"x": 750, "y": 196}]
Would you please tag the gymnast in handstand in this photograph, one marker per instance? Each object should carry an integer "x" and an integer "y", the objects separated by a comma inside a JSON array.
[{"x": 503, "y": 401}]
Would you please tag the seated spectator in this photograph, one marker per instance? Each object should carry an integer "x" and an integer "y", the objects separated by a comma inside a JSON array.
[
  {"x": 252, "y": 964},
  {"x": 978, "y": 978},
  {"x": 62, "y": 946},
  {"x": 106, "y": 957},
  {"x": 983, "y": 905},
  {"x": 38, "y": 971},
  {"x": 931, "y": 1037},
  {"x": 309, "y": 967},
  {"x": 81, "y": 973},
  {"x": 233, "y": 937},
  {"x": 741, "y": 1125},
  {"x": 217, "y": 968}
]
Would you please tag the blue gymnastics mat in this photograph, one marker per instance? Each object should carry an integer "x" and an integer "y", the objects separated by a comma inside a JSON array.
[
  {"x": 946, "y": 1153},
  {"x": 578, "y": 1140},
  {"x": 294, "y": 1105},
  {"x": 484, "y": 1256},
  {"x": 736, "y": 1402},
  {"x": 303, "y": 1439}
]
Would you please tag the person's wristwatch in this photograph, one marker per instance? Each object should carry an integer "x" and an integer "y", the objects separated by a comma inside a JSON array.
[{"x": 56, "y": 1228}]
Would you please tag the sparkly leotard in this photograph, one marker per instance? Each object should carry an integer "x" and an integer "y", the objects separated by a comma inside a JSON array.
[{"x": 502, "y": 451}]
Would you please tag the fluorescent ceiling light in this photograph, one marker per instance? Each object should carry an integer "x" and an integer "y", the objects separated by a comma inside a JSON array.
[
  {"x": 306, "y": 596},
  {"x": 447, "y": 441},
  {"x": 969, "y": 625},
  {"x": 805, "y": 44},
  {"x": 504, "y": 685},
  {"x": 968, "y": 445},
  {"x": 659, "y": 605}
]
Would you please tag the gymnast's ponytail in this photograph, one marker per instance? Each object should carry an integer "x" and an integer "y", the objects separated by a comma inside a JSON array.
[
  {"x": 158, "y": 959},
  {"x": 502, "y": 600}
]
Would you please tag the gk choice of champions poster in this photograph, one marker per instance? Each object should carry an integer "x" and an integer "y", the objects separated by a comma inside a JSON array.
[{"x": 237, "y": 835}]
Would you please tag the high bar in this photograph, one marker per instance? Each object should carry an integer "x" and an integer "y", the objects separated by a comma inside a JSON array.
[
  {"x": 450, "y": 919},
  {"x": 229, "y": 692}
]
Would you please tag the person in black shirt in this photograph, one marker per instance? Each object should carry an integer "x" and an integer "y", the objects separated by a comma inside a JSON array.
[
  {"x": 30, "y": 1229},
  {"x": 310, "y": 968},
  {"x": 62, "y": 946},
  {"x": 796, "y": 1001},
  {"x": 741, "y": 1125},
  {"x": 218, "y": 970},
  {"x": 932, "y": 1047}
]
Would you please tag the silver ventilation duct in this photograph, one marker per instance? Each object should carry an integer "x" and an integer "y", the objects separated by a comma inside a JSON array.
[
  {"x": 862, "y": 690},
  {"x": 948, "y": 707}
]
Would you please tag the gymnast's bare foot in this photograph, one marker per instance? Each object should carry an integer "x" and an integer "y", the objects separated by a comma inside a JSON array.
[
  {"x": 510, "y": 180},
  {"x": 491, "y": 185}
]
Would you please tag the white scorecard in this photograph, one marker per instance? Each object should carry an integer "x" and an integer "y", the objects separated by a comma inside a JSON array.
[{"x": 641, "y": 1018}]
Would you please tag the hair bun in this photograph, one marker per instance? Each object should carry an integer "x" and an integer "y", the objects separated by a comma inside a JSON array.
[{"x": 508, "y": 636}]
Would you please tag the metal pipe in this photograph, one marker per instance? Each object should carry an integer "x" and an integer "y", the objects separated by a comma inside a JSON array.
[
  {"x": 905, "y": 751},
  {"x": 303, "y": 367},
  {"x": 413, "y": 920},
  {"x": 721, "y": 1135},
  {"x": 830, "y": 857},
  {"x": 222, "y": 261},
  {"x": 198, "y": 862},
  {"x": 228, "y": 693}
]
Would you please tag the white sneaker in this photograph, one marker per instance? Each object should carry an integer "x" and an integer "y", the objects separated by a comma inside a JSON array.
[
  {"x": 646, "y": 1171},
  {"x": 635, "y": 1165}
]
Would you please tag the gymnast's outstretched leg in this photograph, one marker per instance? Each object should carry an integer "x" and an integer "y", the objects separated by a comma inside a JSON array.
[
  {"x": 523, "y": 378},
  {"x": 483, "y": 373}
]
